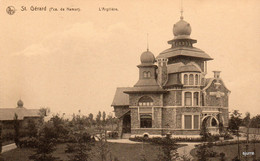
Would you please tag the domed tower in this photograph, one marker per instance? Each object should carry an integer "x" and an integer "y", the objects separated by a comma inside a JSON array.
[
  {"x": 19, "y": 104},
  {"x": 181, "y": 53},
  {"x": 147, "y": 70}
]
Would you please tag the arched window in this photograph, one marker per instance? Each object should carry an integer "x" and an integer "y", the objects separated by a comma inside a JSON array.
[
  {"x": 145, "y": 74},
  {"x": 188, "y": 99},
  {"x": 196, "y": 98},
  {"x": 185, "y": 79},
  {"x": 196, "y": 79},
  {"x": 145, "y": 101},
  {"x": 148, "y": 74},
  {"x": 191, "y": 79},
  {"x": 145, "y": 121}
]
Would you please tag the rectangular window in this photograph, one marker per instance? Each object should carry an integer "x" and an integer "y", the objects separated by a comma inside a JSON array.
[
  {"x": 196, "y": 99},
  {"x": 196, "y": 122},
  {"x": 187, "y": 122},
  {"x": 187, "y": 99},
  {"x": 146, "y": 121}
]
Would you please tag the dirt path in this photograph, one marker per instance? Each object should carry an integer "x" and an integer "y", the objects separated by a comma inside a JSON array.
[
  {"x": 185, "y": 150},
  {"x": 8, "y": 147}
]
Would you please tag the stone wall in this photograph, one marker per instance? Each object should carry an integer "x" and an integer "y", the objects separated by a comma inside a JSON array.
[
  {"x": 120, "y": 110},
  {"x": 135, "y": 122},
  {"x": 134, "y": 98},
  {"x": 169, "y": 117},
  {"x": 172, "y": 98}
]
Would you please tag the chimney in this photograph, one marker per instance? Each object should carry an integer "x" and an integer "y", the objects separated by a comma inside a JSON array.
[
  {"x": 162, "y": 71},
  {"x": 216, "y": 74}
]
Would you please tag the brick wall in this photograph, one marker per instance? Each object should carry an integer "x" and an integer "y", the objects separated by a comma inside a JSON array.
[
  {"x": 120, "y": 110},
  {"x": 172, "y": 98},
  {"x": 134, "y": 98},
  {"x": 135, "y": 123}
]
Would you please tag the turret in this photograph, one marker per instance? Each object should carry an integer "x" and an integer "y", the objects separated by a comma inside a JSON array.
[{"x": 162, "y": 71}]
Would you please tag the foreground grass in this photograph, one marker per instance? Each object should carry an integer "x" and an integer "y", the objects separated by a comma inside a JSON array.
[
  {"x": 231, "y": 151},
  {"x": 124, "y": 152}
]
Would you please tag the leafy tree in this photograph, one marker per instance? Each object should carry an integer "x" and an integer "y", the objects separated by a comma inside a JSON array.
[
  {"x": 203, "y": 153},
  {"x": 168, "y": 149},
  {"x": 46, "y": 144},
  {"x": 235, "y": 121},
  {"x": 255, "y": 121},
  {"x": 82, "y": 147},
  {"x": 16, "y": 129},
  {"x": 91, "y": 119},
  {"x": 98, "y": 119},
  {"x": 104, "y": 118},
  {"x": 32, "y": 128}
]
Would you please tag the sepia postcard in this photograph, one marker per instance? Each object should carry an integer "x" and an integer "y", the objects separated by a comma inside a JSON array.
[{"x": 113, "y": 80}]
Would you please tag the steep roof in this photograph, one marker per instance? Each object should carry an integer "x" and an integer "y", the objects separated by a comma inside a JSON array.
[
  {"x": 121, "y": 98},
  {"x": 184, "y": 51},
  {"x": 180, "y": 67},
  {"x": 145, "y": 89},
  {"x": 8, "y": 113}
]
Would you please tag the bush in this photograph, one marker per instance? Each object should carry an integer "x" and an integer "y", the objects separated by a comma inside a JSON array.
[
  {"x": 28, "y": 142},
  {"x": 158, "y": 139}
]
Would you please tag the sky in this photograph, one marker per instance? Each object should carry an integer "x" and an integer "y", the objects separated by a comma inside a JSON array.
[{"x": 70, "y": 60}]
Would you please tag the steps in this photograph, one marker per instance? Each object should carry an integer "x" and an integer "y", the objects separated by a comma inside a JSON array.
[{"x": 126, "y": 135}]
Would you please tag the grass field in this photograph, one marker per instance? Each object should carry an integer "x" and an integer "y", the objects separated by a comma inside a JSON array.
[
  {"x": 231, "y": 151},
  {"x": 124, "y": 152}
]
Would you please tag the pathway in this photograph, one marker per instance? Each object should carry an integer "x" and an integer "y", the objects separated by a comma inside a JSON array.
[
  {"x": 185, "y": 150},
  {"x": 125, "y": 141},
  {"x": 8, "y": 147}
]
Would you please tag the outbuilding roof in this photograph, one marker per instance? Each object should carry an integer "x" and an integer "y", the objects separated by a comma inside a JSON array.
[
  {"x": 121, "y": 98},
  {"x": 7, "y": 114}
]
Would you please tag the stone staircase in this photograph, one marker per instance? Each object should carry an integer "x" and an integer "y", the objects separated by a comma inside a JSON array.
[{"x": 126, "y": 135}]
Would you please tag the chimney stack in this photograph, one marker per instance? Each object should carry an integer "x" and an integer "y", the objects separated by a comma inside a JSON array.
[{"x": 216, "y": 74}]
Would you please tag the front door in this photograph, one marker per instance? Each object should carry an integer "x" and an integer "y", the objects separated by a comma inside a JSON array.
[{"x": 127, "y": 124}]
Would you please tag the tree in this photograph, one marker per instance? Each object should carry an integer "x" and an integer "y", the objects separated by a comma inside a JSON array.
[
  {"x": 46, "y": 144},
  {"x": 104, "y": 118},
  {"x": 203, "y": 153},
  {"x": 16, "y": 130},
  {"x": 168, "y": 149},
  {"x": 91, "y": 119},
  {"x": 98, "y": 119},
  {"x": 32, "y": 128},
  {"x": 235, "y": 121},
  {"x": 82, "y": 147}
]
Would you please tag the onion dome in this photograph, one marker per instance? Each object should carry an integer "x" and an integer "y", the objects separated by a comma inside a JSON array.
[
  {"x": 147, "y": 57},
  {"x": 182, "y": 28},
  {"x": 20, "y": 103}
]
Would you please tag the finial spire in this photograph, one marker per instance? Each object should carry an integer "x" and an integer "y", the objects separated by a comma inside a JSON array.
[
  {"x": 181, "y": 10},
  {"x": 147, "y": 42}
]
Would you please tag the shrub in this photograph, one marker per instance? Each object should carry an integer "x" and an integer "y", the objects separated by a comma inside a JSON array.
[{"x": 28, "y": 142}]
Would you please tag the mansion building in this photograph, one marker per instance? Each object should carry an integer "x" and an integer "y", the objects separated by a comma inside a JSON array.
[{"x": 172, "y": 93}]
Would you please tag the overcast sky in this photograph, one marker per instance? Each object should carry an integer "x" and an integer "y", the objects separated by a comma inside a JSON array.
[{"x": 75, "y": 60}]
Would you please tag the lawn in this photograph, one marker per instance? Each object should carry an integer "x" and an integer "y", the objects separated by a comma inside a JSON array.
[
  {"x": 231, "y": 151},
  {"x": 124, "y": 152}
]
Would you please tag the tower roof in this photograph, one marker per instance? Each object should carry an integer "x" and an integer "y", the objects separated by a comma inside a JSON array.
[
  {"x": 147, "y": 57},
  {"x": 181, "y": 29}
]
